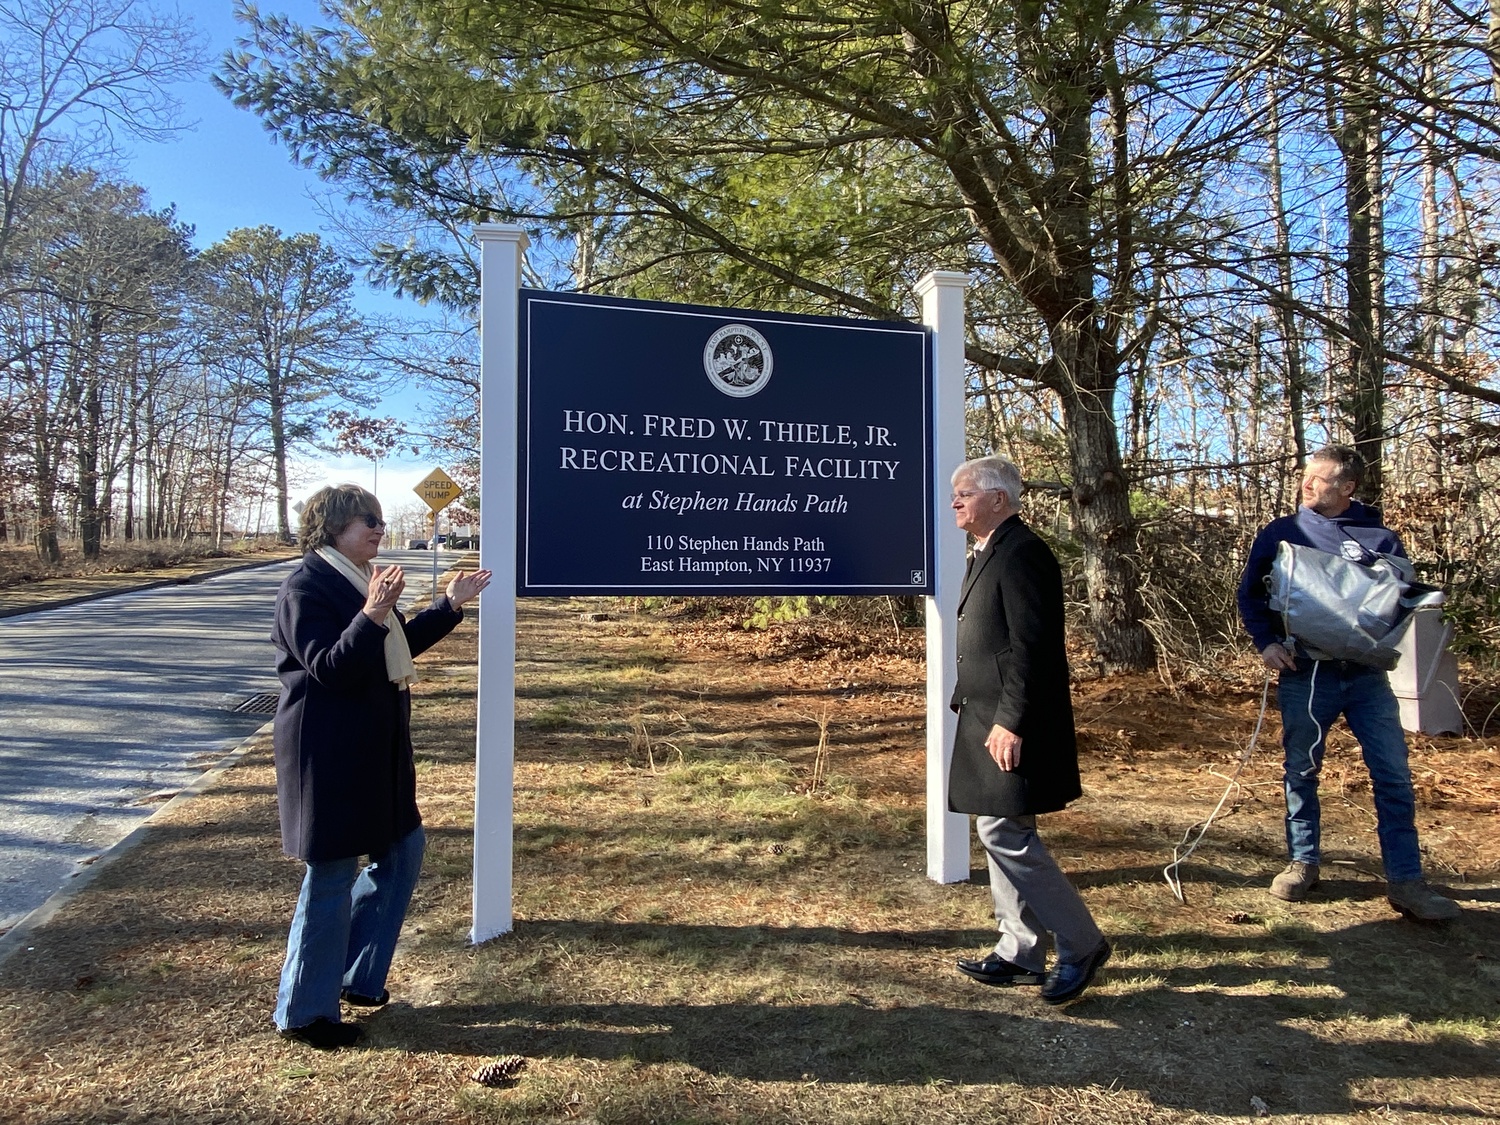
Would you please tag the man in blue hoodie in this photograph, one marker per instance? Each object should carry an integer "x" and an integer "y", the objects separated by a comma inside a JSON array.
[{"x": 1314, "y": 693}]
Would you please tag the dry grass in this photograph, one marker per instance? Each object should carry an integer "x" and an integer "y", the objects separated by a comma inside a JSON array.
[
  {"x": 19, "y": 562},
  {"x": 705, "y": 935},
  {"x": 26, "y": 583}
]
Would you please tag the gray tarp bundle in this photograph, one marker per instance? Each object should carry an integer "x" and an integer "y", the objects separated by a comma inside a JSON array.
[{"x": 1339, "y": 609}]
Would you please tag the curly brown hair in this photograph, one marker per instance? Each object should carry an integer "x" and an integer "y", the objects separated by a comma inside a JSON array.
[{"x": 330, "y": 510}]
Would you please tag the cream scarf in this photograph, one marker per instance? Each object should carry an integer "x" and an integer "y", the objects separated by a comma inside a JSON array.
[{"x": 398, "y": 662}]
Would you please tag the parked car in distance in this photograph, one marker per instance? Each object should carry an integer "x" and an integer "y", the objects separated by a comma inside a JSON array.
[{"x": 416, "y": 544}]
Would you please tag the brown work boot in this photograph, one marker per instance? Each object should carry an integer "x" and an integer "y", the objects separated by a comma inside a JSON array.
[
  {"x": 1293, "y": 884},
  {"x": 1419, "y": 902}
]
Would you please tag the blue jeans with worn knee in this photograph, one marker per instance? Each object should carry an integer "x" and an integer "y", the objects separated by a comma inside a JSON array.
[
  {"x": 1312, "y": 698},
  {"x": 344, "y": 930}
]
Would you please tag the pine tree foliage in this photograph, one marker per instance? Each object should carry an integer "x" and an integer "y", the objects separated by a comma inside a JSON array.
[{"x": 1099, "y": 167}]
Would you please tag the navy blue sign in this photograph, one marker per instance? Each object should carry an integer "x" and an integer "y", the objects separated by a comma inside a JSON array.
[{"x": 678, "y": 449}]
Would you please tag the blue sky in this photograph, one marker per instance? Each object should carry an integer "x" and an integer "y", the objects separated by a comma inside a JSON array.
[{"x": 226, "y": 171}]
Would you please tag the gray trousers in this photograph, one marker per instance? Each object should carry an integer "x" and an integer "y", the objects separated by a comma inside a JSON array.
[{"x": 1033, "y": 897}]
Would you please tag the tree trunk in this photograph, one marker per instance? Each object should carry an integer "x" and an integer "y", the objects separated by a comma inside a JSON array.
[
  {"x": 87, "y": 460},
  {"x": 1101, "y": 504},
  {"x": 1296, "y": 375},
  {"x": 1361, "y": 145},
  {"x": 1084, "y": 370},
  {"x": 44, "y": 485},
  {"x": 1050, "y": 250},
  {"x": 130, "y": 465},
  {"x": 47, "y": 548},
  {"x": 278, "y": 458}
]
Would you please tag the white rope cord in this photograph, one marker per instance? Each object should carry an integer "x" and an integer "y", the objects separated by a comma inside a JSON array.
[
  {"x": 1171, "y": 871},
  {"x": 1312, "y": 749}
]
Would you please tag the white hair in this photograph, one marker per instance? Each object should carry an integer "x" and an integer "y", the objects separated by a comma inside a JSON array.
[{"x": 991, "y": 473}]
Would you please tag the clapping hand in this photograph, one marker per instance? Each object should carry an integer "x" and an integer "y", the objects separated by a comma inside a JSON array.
[
  {"x": 466, "y": 587},
  {"x": 386, "y": 586}
]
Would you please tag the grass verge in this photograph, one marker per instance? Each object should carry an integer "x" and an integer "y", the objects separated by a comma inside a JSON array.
[
  {"x": 27, "y": 584},
  {"x": 722, "y": 917}
]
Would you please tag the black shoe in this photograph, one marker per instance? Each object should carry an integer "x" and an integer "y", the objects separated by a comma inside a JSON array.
[
  {"x": 995, "y": 969},
  {"x": 1066, "y": 982},
  {"x": 360, "y": 1000},
  {"x": 325, "y": 1034}
]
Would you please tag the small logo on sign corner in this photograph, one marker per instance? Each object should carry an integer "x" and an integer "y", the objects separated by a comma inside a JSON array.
[
  {"x": 918, "y": 577},
  {"x": 737, "y": 360}
]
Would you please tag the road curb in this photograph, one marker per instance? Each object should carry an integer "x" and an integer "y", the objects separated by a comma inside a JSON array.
[
  {"x": 20, "y": 936},
  {"x": 131, "y": 588}
]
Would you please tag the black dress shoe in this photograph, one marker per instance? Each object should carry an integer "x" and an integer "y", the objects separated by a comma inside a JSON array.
[
  {"x": 360, "y": 1000},
  {"x": 1067, "y": 982},
  {"x": 325, "y": 1034},
  {"x": 995, "y": 969}
]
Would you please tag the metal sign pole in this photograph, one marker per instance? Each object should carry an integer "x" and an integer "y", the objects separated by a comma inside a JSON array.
[{"x": 433, "y": 543}]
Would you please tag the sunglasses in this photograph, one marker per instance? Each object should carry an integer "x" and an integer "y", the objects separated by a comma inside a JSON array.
[{"x": 372, "y": 521}]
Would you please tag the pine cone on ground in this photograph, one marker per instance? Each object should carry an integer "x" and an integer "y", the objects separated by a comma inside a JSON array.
[{"x": 499, "y": 1072}]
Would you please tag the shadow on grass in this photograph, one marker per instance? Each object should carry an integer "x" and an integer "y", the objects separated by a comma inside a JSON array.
[
  {"x": 679, "y": 695},
  {"x": 1317, "y": 1030},
  {"x": 556, "y": 930},
  {"x": 932, "y": 1043}
]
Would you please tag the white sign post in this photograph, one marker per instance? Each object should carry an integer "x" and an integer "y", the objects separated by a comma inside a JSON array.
[
  {"x": 942, "y": 296},
  {"x": 501, "y": 251}
]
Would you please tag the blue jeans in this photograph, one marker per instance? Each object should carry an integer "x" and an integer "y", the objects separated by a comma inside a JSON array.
[
  {"x": 1363, "y": 696},
  {"x": 344, "y": 930}
]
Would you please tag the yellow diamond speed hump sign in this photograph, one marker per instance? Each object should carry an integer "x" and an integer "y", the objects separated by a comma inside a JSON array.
[{"x": 437, "y": 490}]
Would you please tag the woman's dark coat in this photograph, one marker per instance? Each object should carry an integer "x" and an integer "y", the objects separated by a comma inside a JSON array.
[
  {"x": 345, "y": 781},
  {"x": 1013, "y": 672}
]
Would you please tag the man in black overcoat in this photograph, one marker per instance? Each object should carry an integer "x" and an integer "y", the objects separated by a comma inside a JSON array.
[{"x": 1015, "y": 754}]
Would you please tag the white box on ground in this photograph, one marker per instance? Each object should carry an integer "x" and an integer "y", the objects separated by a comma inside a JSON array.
[{"x": 1426, "y": 679}]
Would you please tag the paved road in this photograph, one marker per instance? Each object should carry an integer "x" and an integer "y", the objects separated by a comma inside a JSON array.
[{"x": 109, "y": 706}]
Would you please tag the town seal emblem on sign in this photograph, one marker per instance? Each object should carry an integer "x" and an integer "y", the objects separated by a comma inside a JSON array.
[{"x": 737, "y": 360}]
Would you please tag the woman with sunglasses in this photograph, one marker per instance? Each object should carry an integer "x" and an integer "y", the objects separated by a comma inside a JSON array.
[{"x": 345, "y": 780}]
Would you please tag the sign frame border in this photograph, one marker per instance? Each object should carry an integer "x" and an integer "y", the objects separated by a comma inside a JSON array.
[{"x": 528, "y": 296}]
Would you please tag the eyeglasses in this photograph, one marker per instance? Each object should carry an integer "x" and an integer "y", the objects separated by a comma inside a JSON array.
[
  {"x": 968, "y": 492},
  {"x": 372, "y": 521}
]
